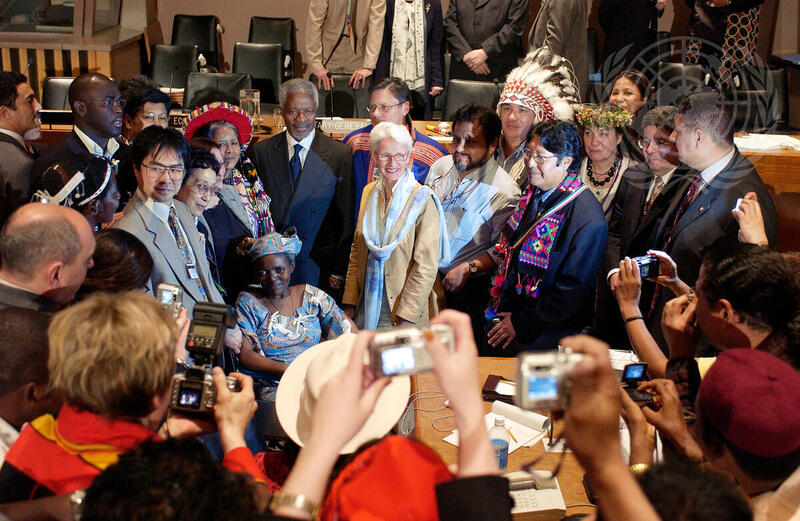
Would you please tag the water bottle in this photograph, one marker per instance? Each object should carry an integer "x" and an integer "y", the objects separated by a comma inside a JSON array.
[{"x": 499, "y": 436}]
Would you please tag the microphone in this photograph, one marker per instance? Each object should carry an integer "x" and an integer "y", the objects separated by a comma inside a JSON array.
[
  {"x": 30, "y": 62},
  {"x": 171, "y": 76},
  {"x": 330, "y": 96}
]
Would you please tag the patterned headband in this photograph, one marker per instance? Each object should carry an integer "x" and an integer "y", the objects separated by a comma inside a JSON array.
[
  {"x": 518, "y": 92},
  {"x": 273, "y": 243},
  {"x": 604, "y": 116}
]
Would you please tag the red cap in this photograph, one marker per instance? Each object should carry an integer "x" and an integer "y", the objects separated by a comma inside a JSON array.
[
  {"x": 394, "y": 479},
  {"x": 750, "y": 397}
]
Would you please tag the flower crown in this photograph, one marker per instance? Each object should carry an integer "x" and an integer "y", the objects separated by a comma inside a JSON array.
[{"x": 603, "y": 116}]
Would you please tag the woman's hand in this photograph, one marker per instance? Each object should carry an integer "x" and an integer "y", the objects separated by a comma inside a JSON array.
[
  {"x": 503, "y": 333},
  {"x": 641, "y": 434},
  {"x": 751, "y": 221},
  {"x": 629, "y": 284},
  {"x": 668, "y": 273},
  {"x": 679, "y": 325},
  {"x": 183, "y": 323}
]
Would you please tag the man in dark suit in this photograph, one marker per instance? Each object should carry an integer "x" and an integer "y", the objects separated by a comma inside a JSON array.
[
  {"x": 701, "y": 215},
  {"x": 97, "y": 110},
  {"x": 484, "y": 37},
  {"x": 19, "y": 113},
  {"x": 45, "y": 250},
  {"x": 309, "y": 178},
  {"x": 645, "y": 193}
]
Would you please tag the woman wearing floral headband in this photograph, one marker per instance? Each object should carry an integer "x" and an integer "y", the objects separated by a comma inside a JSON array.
[{"x": 604, "y": 165}]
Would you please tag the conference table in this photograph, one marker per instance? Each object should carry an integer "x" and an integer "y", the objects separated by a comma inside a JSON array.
[{"x": 433, "y": 422}]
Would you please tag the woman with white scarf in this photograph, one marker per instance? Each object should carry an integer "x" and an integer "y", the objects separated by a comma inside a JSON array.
[{"x": 399, "y": 243}]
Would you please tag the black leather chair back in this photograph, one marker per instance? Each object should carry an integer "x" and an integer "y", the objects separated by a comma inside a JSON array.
[
  {"x": 229, "y": 83},
  {"x": 171, "y": 64},
  {"x": 200, "y": 31},
  {"x": 675, "y": 81},
  {"x": 780, "y": 107},
  {"x": 275, "y": 30},
  {"x": 343, "y": 100},
  {"x": 262, "y": 61},
  {"x": 54, "y": 92},
  {"x": 593, "y": 50},
  {"x": 461, "y": 92}
]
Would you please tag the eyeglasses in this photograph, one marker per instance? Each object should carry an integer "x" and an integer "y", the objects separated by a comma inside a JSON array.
[
  {"x": 150, "y": 117},
  {"x": 154, "y": 171},
  {"x": 204, "y": 189},
  {"x": 660, "y": 143},
  {"x": 382, "y": 107},
  {"x": 539, "y": 158},
  {"x": 109, "y": 102},
  {"x": 384, "y": 158}
]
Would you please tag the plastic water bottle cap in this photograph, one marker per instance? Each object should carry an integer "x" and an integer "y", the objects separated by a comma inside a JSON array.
[{"x": 499, "y": 420}]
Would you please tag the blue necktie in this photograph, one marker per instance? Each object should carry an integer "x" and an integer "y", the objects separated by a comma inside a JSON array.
[{"x": 294, "y": 164}]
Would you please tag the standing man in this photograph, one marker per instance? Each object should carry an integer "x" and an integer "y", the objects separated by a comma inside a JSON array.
[
  {"x": 561, "y": 26},
  {"x": 19, "y": 113},
  {"x": 701, "y": 215},
  {"x": 344, "y": 36},
  {"x": 484, "y": 37},
  {"x": 389, "y": 101},
  {"x": 477, "y": 197},
  {"x": 309, "y": 178}
]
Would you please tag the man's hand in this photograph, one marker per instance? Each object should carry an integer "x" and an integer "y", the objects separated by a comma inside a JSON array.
[
  {"x": 660, "y": 4},
  {"x": 679, "y": 325},
  {"x": 233, "y": 410},
  {"x": 455, "y": 279},
  {"x": 334, "y": 282},
  {"x": 751, "y": 221},
  {"x": 613, "y": 282},
  {"x": 359, "y": 78},
  {"x": 475, "y": 58},
  {"x": 324, "y": 80},
  {"x": 435, "y": 91},
  {"x": 503, "y": 333},
  {"x": 183, "y": 323},
  {"x": 456, "y": 371}
]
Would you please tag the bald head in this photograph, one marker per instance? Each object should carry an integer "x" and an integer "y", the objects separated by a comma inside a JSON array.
[{"x": 96, "y": 106}]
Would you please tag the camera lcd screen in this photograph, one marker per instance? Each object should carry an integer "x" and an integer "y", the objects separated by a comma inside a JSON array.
[
  {"x": 634, "y": 372},
  {"x": 398, "y": 360},
  {"x": 203, "y": 330},
  {"x": 189, "y": 396},
  {"x": 166, "y": 297},
  {"x": 542, "y": 387}
]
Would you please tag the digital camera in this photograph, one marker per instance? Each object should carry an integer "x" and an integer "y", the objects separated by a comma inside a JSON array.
[
  {"x": 648, "y": 266},
  {"x": 169, "y": 296},
  {"x": 194, "y": 391},
  {"x": 401, "y": 350},
  {"x": 543, "y": 379}
]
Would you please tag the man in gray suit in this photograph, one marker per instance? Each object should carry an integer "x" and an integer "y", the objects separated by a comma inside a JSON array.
[
  {"x": 163, "y": 224},
  {"x": 19, "y": 113},
  {"x": 561, "y": 25},
  {"x": 45, "y": 250}
]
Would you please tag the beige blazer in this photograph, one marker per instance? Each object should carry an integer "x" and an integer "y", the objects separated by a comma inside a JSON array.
[
  {"x": 410, "y": 272},
  {"x": 326, "y": 20}
]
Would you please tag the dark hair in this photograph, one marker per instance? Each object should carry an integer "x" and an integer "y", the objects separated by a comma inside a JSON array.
[
  {"x": 681, "y": 490},
  {"x": 201, "y": 160},
  {"x": 139, "y": 90},
  {"x": 758, "y": 282},
  {"x": 396, "y": 87},
  {"x": 170, "y": 480},
  {"x": 488, "y": 120},
  {"x": 635, "y": 77},
  {"x": 155, "y": 139},
  {"x": 8, "y": 87},
  {"x": 205, "y": 144},
  {"x": 121, "y": 262},
  {"x": 23, "y": 351},
  {"x": 710, "y": 112},
  {"x": 662, "y": 116},
  {"x": 561, "y": 138}
]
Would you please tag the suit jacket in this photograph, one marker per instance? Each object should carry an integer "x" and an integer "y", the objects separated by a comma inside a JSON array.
[
  {"x": 320, "y": 206},
  {"x": 561, "y": 26},
  {"x": 409, "y": 272},
  {"x": 708, "y": 219},
  {"x": 636, "y": 29},
  {"x": 24, "y": 299},
  {"x": 496, "y": 26},
  {"x": 15, "y": 175},
  {"x": 326, "y": 21},
  {"x": 68, "y": 148},
  {"x": 168, "y": 263}
]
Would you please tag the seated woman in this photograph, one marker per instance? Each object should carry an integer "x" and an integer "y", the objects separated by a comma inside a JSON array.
[
  {"x": 230, "y": 127},
  {"x": 399, "y": 243},
  {"x": 88, "y": 186},
  {"x": 550, "y": 250},
  {"x": 604, "y": 165},
  {"x": 279, "y": 321},
  {"x": 121, "y": 262},
  {"x": 631, "y": 90}
]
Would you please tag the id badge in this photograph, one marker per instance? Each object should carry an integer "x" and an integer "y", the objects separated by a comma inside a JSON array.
[{"x": 192, "y": 272}]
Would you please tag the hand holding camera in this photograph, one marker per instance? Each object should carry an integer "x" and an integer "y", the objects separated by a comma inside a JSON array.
[
  {"x": 234, "y": 408},
  {"x": 669, "y": 419},
  {"x": 679, "y": 324}
]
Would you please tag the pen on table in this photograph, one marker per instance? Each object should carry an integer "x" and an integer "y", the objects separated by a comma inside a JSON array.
[
  {"x": 434, "y": 128},
  {"x": 509, "y": 382},
  {"x": 512, "y": 436}
]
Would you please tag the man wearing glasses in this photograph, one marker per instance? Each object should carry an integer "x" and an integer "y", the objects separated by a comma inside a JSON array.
[
  {"x": 389, "y": 101},
  {"x": 97, "y": 110},
  {"x": 165, "y": 225}
]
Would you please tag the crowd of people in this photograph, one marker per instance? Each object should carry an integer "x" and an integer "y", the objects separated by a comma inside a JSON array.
[{"x": 534, "y": 230}]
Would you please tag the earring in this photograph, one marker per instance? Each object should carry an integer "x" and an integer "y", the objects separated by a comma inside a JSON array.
[{"x": 96, "y": 207}]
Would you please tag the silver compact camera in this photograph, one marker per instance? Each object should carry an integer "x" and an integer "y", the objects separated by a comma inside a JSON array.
[
  {"x": 543, "y": 379},
  {"x": 401, "y": 350},
  {"x": 169, "y": 296},
  {"x": 194, "y": 391}
]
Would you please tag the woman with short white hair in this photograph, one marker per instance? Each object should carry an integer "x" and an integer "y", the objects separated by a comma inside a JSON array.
[{"x": 399, "y": 243}]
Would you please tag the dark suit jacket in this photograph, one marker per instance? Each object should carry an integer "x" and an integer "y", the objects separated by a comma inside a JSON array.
[
  {"x": 496, "y": 26},
  {"x": 69, "y": 147},
  {"x": 633, "y": 30},
  {"x": 707, "y": 220},
  {"x": 15, "y": 179},
  {"x": 321, "y": 206},
  {"x": 24, "y": 299},
  {"x": 561, "y": 26}
]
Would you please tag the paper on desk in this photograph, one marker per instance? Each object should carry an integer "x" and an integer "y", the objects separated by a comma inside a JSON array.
[
  {"x": 622, "y": 357},
  {"x": 527, "y": 426},
  {"x": 766, "y": 142}
]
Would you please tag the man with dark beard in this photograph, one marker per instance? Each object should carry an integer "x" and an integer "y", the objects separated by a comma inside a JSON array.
[{"x": 477, "y": 197}]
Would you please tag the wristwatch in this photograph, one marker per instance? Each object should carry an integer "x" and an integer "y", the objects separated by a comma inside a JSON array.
[{"x": 473, "y": 268}]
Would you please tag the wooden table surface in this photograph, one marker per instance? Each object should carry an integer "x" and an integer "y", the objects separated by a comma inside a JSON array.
[{"x": 570, "y": 476}]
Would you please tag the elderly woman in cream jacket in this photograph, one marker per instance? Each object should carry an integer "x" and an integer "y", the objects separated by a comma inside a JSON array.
[{"x": 399, "y": 243}]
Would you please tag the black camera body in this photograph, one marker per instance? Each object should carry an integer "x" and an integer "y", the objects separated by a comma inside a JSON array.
[
  {"x": 648, "y": 266},
  {"x": 193, "y": 391}
]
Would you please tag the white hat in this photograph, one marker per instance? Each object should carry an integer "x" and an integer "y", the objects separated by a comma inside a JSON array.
[{"x": 303, "y": 380}]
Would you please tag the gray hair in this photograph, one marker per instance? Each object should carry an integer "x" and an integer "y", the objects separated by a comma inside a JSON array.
[
  {"x": 662, "y": 116},
  {"x": 214, "y": 125},
  {"x": 27, "y": 248},
  {"x": 388, "y": 130},
  {"x": 297, "y": 86}
]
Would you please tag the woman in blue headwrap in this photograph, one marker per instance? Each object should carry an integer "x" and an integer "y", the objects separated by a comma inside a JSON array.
[{"x": 280, "y": 321}]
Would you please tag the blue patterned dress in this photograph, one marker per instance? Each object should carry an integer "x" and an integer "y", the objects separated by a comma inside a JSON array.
[{"x": 282, "y": 338}]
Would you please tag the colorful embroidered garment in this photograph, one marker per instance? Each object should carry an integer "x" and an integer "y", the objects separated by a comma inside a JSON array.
[{"x": 244, "y": 178}]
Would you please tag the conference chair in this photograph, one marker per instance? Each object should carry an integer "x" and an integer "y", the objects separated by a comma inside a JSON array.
[
  {"x": 54, "y": 92},
  {"x": 276, "y": 30},
  {"x": 199, "y": 82},
  {"x": 343, "y": 100},
  {"x": 262, "y": 61},
  {"x": 171, "y": 64},
  {"x": 202, "y": 31},
  {"x": 461, "y": 92},
  {"x": 675, "y": 81}
]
